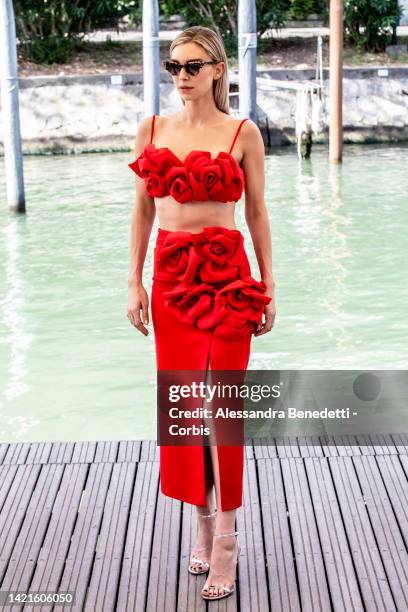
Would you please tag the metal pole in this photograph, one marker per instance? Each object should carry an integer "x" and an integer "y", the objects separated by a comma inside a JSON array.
[
  {"x": 247, "y": 44},
  {"x": 9, "y": 109},
  {"x": 151, "y": 57},
  {"x": 336, "y": 82}
]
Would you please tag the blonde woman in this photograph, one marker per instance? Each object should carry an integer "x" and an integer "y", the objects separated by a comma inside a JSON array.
[{"x": 192, "y": 167}]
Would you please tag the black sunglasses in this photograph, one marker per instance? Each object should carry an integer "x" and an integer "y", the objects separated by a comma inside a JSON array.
[{"x": 192, "y": 68}]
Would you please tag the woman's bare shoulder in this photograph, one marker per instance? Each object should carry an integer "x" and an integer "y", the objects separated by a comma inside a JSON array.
[
  {"x": 251, "y": 134},
  {"x": 142, "y": 137},
  {"x": 249, "y": 126},
  {"x": 143, "y": 127}
]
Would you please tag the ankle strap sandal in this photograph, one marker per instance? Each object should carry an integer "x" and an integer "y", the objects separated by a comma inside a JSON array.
[
  {"x": 205, "y": 566},
  {"x": 225, "y": 591},
  {"x": 208, "y": 515},
  {"x": 225, "y": 535}
]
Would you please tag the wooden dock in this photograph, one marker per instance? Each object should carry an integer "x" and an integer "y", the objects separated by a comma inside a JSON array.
[{"x": 323, "y": 527}]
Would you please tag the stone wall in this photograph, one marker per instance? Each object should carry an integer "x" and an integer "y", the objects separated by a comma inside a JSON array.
[
  {"x": 90, "y": 113},
  {"x": 375, "y": 108}
]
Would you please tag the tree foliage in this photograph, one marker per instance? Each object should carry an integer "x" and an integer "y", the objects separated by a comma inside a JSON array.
[
  {"x": 301, "y": 9},
  {"x": 221, "y": 15},
  {"x": 369, "y": 23},
  {"x": 48, "y": 29}
]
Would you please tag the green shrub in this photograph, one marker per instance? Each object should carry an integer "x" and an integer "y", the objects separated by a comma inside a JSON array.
[
  {"x": 368, "y": 23},
  {"x": 48, "y": 29},
  {"x": 221, "y": 15},
  {"x": 301, "y": 9}
]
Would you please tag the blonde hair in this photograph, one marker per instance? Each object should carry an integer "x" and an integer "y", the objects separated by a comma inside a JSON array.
[{"x": 211, "y": 42}]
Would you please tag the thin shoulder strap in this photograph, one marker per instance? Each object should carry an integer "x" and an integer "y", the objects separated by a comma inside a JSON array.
[
  {"x": 152, "y": 130},
  {"x": 236, "y": 134}
]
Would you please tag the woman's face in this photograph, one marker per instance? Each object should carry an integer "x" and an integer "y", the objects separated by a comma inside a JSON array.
[{"x": 193, "y": 87}]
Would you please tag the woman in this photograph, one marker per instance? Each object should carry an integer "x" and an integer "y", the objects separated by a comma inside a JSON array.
[{"x": 205, "y": 304}]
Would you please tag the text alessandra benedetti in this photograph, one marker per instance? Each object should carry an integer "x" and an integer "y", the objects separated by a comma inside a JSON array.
[{"x": 269, "y": 413}]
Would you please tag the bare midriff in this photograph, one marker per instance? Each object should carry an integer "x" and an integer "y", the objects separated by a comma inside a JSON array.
[{"x": 195, "y": 215}]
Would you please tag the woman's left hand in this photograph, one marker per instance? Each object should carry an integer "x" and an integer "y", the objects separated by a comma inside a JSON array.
[{"x": 269, "y": 314}]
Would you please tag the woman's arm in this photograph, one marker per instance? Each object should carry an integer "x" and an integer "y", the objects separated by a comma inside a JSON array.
[
  {"x": 256, "y": 214},
  {"x": 142, "y": 221}
]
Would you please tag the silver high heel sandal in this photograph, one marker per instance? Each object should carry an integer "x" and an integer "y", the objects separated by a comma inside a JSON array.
[
  {"x": 205, "y": 566},
  {"x": 226, "y": 591}
]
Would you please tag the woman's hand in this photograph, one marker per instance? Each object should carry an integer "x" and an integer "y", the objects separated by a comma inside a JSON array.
[
  {"x": 138, "y": 304},
  {"x": 269, "y": 313}
]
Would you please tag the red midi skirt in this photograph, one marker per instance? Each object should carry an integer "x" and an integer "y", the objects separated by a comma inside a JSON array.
[{"x": 205, "y": 307}]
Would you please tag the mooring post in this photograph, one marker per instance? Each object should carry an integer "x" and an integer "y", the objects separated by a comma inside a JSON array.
[
  {"x": 9, "y": 109},
  {"x": 247, "y": 44},
  {"x": 336, "y": 82},
  {"x": 151, "y": 57}
]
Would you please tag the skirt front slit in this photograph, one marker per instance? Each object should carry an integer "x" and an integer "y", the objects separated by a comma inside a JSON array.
[{"x": 190, "y": 272}]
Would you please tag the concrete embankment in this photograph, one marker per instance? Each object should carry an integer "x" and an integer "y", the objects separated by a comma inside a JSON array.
[{"x": 75, "y": 114}]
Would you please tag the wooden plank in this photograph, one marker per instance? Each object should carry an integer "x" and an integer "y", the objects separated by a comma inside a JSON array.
[
  {"x": 341, "y": 576},
  {"x": 287, "y": 446},
  {"x": 16, "y": 487},
  {"x": 340, "y": 446},
  {"x": 314, "y": 593},
  {"x": 366, "y": 444},
  {"x": 189, "y": 586},
  {"x": 134, "y": 578},
  {"x": 249, "y": 449},
  {"x": 396, "y": 483},
  {"x": 347, "y": 446},
  {"x": 84, "y": 452},
  {"x": 164, "y": 560},
  {"x": 386, "y": 445},
  {"x": 265, "y": 448},
  {"x": 106, "y": 450},
  {"x": 389, "y": 540},
  {"x": 150, "y": 451},
  {"x": 329, "y": 447},
  {"x": 280, "y": 563},
  {"x": 373, "y": 582},
  {"x": 106, "y": 568},
  {"x": 310, "y": 446},
  {"x": 31, "y": 534},
  {"x": 7, "y": 478},
  {"x": 61, "y": 452},
  {"x": 129, "y": 450},
  {"x": 39, "y": 452},
  {"x": 252, "y": 577},
  {"x": 3, "y": 451},
  {"x": 401, "y": 443},
  {"x": 78, "y": 563},
  {"x": 51, "y": 559},
  {"x": 93, "y": 451},
  {"x": 377, "y": 444},
  {"x": 16, "y": 453},
  {"x": 344, "y": 518},
  {"x": 291, "y": 446},
  {"x": 404, "y": 462}
]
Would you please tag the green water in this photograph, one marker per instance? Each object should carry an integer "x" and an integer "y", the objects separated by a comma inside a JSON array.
[{"x": 73, "y": 368}]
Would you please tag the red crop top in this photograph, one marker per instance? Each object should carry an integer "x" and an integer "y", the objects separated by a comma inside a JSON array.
[{"x": 198, "y": 177}]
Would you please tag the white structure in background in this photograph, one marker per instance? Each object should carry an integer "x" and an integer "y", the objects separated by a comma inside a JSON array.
[
  {"x": 151, "y": 57},
  {"x": 247, "y": 44},
  {"x": 9, "y": 108},
  {"x": 310, "y": 111}
]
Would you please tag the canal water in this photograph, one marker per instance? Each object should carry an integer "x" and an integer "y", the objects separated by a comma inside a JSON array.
[{"x": 71, "y": 365}]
